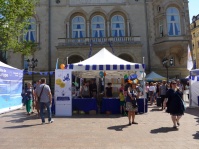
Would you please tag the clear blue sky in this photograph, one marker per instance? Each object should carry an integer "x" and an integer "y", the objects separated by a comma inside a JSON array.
[{"x": 193, "y": 8}]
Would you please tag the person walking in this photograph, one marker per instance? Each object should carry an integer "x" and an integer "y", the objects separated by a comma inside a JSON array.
[
  {"x": 44, "y": 97},
  {"x": 162, "y": 92},
  {"x": 29, "y": 92},
  {"x": 36, "y": 102},
  {"x": 152, "y": 93},
  {"x": 131, "y": 105},
  {"x": 175, "y": 104}
]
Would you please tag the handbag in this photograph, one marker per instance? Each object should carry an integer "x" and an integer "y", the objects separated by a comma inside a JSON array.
[
  {"x": 39, "y": 97},
  {"x": 183, "y": 102},
  {"x": 134, "y": 103}
]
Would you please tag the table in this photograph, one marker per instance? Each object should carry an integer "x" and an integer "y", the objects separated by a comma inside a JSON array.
[
  {"x": 113, "y": 105},
  {"x": 141, "y": 105},
  {"x": 84, "y": 104},
  {"x": 110, "y": 104}
]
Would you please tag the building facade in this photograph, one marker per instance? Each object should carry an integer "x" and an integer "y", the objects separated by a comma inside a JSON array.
[
  {"x": 195, "y": 39},
  {"x": 131, "y": 29}
]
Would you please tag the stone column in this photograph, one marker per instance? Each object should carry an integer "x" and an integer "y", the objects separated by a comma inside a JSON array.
[
  {"x": 108, "y": 28},
  {"x": 68, "y": 30}
]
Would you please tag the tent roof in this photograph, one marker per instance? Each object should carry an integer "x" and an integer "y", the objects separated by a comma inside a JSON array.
[
  {"x": 154, "y": 77},
  {"x": 105, "y": 61},
  {"x": 6, "y": 66}
]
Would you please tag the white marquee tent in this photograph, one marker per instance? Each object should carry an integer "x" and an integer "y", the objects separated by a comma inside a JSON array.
[
  {"x": 89, "y": 68},
  {"x": 194, "y": 88},
  {"x": 10, "y": 88},
  {"x": 105, "y": 61}
]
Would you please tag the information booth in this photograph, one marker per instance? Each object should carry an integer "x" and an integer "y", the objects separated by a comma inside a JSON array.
[{"x": 89, "y": 68}]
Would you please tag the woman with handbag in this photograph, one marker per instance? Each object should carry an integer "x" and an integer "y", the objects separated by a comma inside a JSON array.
[
  {"x": 131, "y": 104},
  {"x": 29, "y": 98},
  {"x": 175, "y": 104}
]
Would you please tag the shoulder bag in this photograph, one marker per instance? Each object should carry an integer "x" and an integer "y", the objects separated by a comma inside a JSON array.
[{"x": 39, "y": 97}]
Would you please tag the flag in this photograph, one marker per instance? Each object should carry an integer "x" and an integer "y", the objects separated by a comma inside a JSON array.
[
  {"x": 189, "y": 60},
  {"x": 89, "y": 54},
  {"x": 57, "y": 63}
]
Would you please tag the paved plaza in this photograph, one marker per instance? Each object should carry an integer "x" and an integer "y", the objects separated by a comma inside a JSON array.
[{"x": 154, "y": 131}]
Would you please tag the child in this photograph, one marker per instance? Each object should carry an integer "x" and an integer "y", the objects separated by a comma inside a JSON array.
[{"x": 122, "y": 102}]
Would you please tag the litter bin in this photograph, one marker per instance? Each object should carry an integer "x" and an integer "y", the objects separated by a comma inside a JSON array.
[{"x": 159, "y": 101}]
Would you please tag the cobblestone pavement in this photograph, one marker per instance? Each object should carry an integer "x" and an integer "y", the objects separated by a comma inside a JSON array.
[{"x": 154, "y": 131}]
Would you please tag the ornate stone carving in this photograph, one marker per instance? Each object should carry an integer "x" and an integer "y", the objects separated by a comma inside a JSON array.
[{"x": 96, "y": 2}]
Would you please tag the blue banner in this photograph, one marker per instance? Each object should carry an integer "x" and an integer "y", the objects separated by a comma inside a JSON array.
[{"x": 10, "y": 87}]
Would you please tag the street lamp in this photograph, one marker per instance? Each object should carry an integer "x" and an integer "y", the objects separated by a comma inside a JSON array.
[
  {"x": 167, "y": 63},
  {"x": 32, "y": 64}
]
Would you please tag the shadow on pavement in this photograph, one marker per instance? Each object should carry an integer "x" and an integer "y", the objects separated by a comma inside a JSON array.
[
  {"x": 90, "y": 116},
  {"x": 20, "y": 126},
  {"x": 118, "y": 128},
  {"x": 196, "y": 136},
  {"x": 152, "y": 110},
  {"x": 192, "y": 111},
  {"x": 163, "y": 130}
]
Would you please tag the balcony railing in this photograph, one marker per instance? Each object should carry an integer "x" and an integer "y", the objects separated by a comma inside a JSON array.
[{"x": 98, "y": 41}]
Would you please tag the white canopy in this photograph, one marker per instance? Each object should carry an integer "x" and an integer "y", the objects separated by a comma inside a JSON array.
[{"x": 105, "y": 61}]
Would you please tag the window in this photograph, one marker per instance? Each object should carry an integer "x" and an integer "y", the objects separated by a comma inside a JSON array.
[
  {"x": 78, "y": 27},
  {"x": 117, "y": 26},
  {"x": 173, "y": 22},
  {"x": 31, "y": 34},
  {"x": 161, "y": 29},
  {"x": 98, "y": 26}
]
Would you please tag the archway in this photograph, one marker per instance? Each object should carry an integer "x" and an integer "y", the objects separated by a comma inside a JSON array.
[
  {"x": 126, "y": 57},
  {"x": 74, "y": 59}
]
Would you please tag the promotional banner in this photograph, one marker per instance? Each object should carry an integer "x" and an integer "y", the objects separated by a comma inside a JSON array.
[
  {"x": 63, "y": 97},
  {"x": 10, "y": 89}
]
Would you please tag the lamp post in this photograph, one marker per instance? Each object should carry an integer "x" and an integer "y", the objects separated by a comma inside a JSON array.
[
  {"x": 32, "y": 64},
  {"x": 167, "y": 63}
]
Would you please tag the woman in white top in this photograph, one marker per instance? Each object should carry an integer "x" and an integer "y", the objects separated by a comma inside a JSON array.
[{"x": 151, "y": 92}]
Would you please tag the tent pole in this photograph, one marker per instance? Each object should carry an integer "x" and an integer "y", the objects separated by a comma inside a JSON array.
[{"x": 144, "y": 85}]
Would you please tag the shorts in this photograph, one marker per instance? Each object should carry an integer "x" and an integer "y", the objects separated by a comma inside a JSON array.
[
  {"x": 129, "y": 107},
  {"x": 122, "y": 103}
]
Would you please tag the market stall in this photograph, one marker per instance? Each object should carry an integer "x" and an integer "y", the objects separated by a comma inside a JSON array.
[
  {"x": 103, "y": 61},
  {"x": 10, "y": 88},
  {"x": 194, "y": 88}
]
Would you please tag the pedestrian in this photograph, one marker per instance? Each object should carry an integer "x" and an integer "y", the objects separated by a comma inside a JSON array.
[
  {"x": 122, "y": 101},
  {"x": 131, "y": 104},
  {"x": 162, "y": 92},
  {"x": 44, "y": 98},
  {"x": 152, "y": 93},
  {"x": 174, "y": 104},
  {"x": 36, "y": 102},
  {"x": 29, "y": 92}
]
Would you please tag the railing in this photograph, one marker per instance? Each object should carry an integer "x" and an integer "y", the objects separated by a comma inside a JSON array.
[{"x": 98, "y": 41}]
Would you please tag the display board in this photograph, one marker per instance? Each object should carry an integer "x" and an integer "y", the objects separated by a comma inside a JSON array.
[{"x": 63, "y": 94}]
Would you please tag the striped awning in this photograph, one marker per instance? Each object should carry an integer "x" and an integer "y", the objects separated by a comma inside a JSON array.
[{"x": 105, "y": 61}]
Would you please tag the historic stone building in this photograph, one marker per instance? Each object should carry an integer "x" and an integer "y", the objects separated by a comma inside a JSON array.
[
  {"x": 195, "y": 39},
  {"x": 132, "y": 29}
]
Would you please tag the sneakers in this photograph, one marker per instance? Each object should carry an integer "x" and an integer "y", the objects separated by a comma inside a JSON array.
[
  {"x": 51, "y": 121},
  {"x": 43, "y": 123}
]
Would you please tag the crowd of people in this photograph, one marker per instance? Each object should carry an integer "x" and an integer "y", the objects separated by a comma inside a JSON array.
[{"x": 39, "y": 97}]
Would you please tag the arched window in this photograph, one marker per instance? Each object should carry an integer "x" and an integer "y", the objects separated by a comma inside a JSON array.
[
  {"x": 32, "y": 31},
  {"x": 98, "y": 26},
  {"x": 78, "y": 27},
  {"x": 173, "y": 22},
  {"x": 117, "y": 26}
]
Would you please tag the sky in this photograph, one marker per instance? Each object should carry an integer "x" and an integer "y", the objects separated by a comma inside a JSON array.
[{"x": 193, "y": 8}]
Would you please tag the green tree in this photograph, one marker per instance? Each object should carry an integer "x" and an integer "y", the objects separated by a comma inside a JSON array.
[{"x": 14, "y": 21}]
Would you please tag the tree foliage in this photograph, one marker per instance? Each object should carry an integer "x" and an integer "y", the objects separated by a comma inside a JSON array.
[{"x": 14, "y": 21}]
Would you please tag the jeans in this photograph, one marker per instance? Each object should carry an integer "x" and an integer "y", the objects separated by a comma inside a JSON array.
[{"x": 48, "y": 110}]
